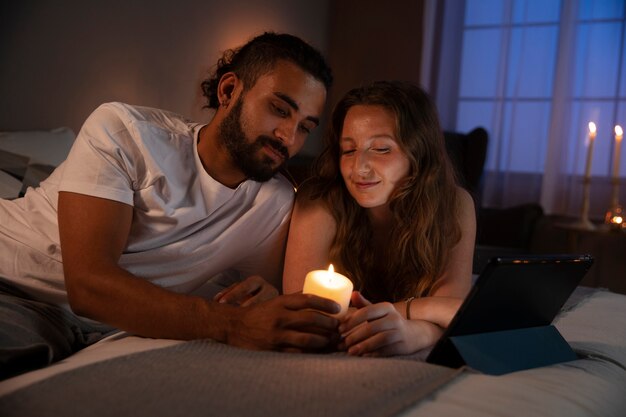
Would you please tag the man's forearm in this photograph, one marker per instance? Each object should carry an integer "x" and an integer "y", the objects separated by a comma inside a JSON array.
[{"x": 115, "y": 297}]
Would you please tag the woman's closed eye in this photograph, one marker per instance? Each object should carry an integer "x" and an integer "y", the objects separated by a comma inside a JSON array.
[{"x": 381, "y": 150}]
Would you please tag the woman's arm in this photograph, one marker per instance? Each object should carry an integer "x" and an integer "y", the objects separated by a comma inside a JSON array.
[
  {"x": 381, "y": 329},
  {"x": 311, "y": 233},
  {"x": 454, "y": 285}
]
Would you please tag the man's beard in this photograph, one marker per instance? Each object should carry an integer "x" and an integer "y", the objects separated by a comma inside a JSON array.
[{"x": 244, "y": 153}]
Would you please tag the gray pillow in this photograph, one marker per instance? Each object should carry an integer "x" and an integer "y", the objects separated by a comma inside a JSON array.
[{"x": 28, "y": 157}]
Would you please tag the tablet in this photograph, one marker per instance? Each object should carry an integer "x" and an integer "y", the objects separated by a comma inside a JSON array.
[{"x": 515, "y": 293}]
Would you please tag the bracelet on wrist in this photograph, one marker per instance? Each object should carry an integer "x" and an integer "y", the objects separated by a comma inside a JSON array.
[{"x": 408, "y": 307}]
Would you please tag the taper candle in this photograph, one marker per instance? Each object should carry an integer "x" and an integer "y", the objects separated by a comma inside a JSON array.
[
  {"x": 592, "y": 137},
  {"x": 619, "y": 133}
]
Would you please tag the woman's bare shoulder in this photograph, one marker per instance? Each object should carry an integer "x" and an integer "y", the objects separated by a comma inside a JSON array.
[
  {"x": 307, "y": 198},
  {"x": 465, "y": 199},
  {"x": 311, "y": 208}
]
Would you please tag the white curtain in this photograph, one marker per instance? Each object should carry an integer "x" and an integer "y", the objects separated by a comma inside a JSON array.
[{"x": 533, "y": 73}]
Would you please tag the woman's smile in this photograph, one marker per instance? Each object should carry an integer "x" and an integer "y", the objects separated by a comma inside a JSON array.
[{"x": 372, "y": 162}]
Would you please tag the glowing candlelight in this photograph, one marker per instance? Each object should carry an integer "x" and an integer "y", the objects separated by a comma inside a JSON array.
[
  {"x": 592, "y": 137},
  {"x": 329, "y": 284},
  {"x": 615, "y": 218}
]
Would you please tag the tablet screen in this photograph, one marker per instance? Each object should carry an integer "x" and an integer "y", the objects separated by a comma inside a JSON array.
[{"x": 517, "y": 292}]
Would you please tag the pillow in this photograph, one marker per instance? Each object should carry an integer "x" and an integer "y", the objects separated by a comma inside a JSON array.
[
  {"x": 28, "y": 157},
  {"x": 13, "y": 164},
  {"x": 45, "y": 147},
  {"x": 35, "y": 173},
  {"x": 10, "y": 187}
]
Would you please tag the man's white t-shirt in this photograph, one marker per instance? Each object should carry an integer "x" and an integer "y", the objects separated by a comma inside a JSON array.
[{"x": 189, "y": 233}]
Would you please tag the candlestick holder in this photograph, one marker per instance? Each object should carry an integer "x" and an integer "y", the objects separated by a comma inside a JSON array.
[
  {"x": 615, "y": 192},
  {"x": 584, "y": 223},
  {"x": 614, "y": 218}
]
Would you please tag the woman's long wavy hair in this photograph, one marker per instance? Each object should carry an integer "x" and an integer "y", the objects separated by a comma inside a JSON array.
[{"x": 424, "y": 205}]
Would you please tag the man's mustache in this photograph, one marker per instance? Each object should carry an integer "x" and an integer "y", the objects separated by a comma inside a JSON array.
[{"x": 275, "y": 144}]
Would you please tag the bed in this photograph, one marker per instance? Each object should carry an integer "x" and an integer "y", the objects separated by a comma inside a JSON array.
[
  {"x": 129, "y": 375},
  {"x": 28, "y": 157}
]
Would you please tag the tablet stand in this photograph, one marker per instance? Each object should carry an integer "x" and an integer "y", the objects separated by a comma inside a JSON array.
[{"x": 498, "y": 353}]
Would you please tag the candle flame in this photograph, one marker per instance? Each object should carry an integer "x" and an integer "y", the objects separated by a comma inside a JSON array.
[
  {"x": 618, "y": 131},
  {"x": 592, "y": 127},
  {"x": 331, "y": 268}
]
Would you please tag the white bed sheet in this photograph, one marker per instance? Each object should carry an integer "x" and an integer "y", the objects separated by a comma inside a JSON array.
[
  {"x": 592, "y": 386},
  {"x": 595, "y": 386}
]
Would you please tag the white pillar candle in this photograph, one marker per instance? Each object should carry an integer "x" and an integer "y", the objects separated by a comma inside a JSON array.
[
  {"x": 619, "y": 133},
  {"x": 592, "y": 137},
  {"x": 329, "y": 284}
]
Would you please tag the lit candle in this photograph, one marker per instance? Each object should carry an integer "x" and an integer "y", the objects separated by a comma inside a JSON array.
[
  {"x": 616, "y": 218},
  {"x": 329, "y": 284},
  {"x": 592, "y": 137},
  {"x": 619, "y": 133}
]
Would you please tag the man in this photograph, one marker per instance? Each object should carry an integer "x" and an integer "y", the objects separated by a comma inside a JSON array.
[{"x": 169, "y": 228}]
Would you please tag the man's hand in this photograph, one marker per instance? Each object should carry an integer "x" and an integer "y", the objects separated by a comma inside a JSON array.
[
  {"x": 294, "y": 322},
  {"x": 252, "y": 290}
]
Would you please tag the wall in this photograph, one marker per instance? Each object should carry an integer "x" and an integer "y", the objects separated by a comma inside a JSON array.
[
  {"x": 372, "y": 40},
  {"x": 60, "y": 60}
]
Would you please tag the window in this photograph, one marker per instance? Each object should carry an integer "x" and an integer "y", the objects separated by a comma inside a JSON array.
[{"x": 534, "y": 73}]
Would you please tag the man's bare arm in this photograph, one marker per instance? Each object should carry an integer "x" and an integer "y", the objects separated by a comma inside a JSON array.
[{"x": 93, "y": 233}]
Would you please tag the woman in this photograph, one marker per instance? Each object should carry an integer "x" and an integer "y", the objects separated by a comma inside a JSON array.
[{"x": 383, "y": 207}]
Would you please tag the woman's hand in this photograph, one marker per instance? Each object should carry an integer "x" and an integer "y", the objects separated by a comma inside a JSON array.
[
  {"x": 380, "y": 330},
  {"x": 252, "y": 290}
]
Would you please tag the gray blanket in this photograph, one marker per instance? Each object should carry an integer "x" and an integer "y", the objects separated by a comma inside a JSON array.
[{"x": 209, "y": 378}]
